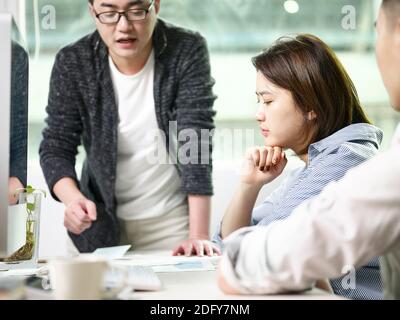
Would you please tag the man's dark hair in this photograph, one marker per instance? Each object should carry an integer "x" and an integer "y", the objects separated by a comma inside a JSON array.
[
  {"x": 388, "y": 4},
  {"x": 311, "y": 71},
  {"x": 91, "y": 1},
  {"x": 392, "y": 9}
]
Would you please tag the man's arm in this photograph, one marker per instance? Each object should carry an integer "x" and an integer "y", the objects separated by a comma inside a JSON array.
[
  {"x": 58, "y": 149},
  {"x": 194, "y": 102},
  {"x": 349, "y": 223},
  {"x": 62, "y": 134},
  {"x": 199, "y": 216},
  {"x": 19, "y": 116},
  {"x": 195, "y": 119},
  {"x": 199, "y": 221}
]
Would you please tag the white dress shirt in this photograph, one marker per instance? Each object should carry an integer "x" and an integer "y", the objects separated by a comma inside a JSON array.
[{"x": 350, "y": 222}]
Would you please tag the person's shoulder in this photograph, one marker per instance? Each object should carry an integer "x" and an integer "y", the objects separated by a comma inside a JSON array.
[
  {"x": 81, "y": 49},
  {"x": 359, "y": 141},
  {"x": 364, "y": 142},
  {"x": 348, "y": 154},
  {"x": 180, "y": 35}
]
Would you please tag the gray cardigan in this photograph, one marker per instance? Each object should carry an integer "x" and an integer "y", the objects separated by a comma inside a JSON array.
[{"x": 82, "y": 109}]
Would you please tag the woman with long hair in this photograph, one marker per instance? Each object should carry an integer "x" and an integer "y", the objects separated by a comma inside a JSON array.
[{"x": 308, "y": 104}]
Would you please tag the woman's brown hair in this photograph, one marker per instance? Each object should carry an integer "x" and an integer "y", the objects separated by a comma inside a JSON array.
[{"x": 310, "y": 70}]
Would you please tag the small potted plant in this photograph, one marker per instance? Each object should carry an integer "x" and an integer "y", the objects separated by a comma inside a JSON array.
[{"x": 31, "y": 198}]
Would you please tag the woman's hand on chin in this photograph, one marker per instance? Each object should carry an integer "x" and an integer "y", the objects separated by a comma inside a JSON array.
[{"x": 262, "y": 165}]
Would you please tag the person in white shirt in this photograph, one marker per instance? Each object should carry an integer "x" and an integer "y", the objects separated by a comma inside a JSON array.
[{"x": 350, "y": 222}]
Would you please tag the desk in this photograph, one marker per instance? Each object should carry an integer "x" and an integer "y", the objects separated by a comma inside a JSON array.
[{"x": 202, "y": 285}]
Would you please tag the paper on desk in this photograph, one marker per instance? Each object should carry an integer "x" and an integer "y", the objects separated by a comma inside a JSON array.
[
  {"x": 163, "y": 259},
  {"x": 112, "y": 252},
  {"x": 185, "y": 266},
  {"x": 168, "y": 263}
]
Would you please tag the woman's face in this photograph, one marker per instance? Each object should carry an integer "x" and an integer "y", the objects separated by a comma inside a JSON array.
[{"x": 281, "y": 122}]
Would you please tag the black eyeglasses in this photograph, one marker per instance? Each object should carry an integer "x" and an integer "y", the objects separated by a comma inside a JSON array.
[{"x": 113, "y": 17}]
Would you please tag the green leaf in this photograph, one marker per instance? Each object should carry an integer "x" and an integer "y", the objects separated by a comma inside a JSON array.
[
  {"x": 30, "y": 206},
  {"x": 29, "y": 189}
]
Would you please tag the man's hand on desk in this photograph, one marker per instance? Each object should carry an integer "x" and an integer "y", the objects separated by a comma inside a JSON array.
[{"x": 199, "y": 247}]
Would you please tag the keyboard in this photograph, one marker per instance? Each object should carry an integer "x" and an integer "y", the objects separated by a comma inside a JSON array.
[{"x": 138, "y": 278}]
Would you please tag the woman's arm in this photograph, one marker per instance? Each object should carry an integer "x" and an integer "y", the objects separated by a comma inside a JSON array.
[
  {"x": 262, "y": 165},
  {"x": 238, "y": 213}
]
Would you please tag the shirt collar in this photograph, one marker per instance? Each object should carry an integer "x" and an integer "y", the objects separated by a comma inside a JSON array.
[{"x": 358, "y": 131}]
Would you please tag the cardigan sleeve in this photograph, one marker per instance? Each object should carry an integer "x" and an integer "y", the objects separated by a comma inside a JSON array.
[
  {"x": 62, "y": 134},
  {"x": 19, "y": 114},
  {"x": 195, "y": 115}
]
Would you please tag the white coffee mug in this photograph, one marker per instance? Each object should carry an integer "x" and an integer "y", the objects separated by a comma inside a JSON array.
[{"x": 78, "y": 278}]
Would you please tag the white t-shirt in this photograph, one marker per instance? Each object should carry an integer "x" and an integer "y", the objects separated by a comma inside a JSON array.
[{"x": 144, "y": 189}]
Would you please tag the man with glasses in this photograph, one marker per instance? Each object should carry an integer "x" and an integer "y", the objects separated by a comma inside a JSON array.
[{"x": 119, "y": 90}]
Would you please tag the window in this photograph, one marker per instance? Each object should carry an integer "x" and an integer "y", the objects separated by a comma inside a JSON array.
[{"x": 235, "y": 30}]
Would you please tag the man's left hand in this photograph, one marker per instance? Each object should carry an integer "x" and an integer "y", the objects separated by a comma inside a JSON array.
[{"x": 199, "y": 247}]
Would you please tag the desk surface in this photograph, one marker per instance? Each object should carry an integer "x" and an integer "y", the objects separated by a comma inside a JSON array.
[{"x": 202, "y": 285}]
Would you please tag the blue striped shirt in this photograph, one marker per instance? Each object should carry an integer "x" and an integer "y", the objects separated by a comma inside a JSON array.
[{"x": 328, "y": 160}]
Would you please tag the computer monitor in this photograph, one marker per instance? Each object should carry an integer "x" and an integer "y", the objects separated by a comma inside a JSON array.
[{"x": 14, "y": 117}]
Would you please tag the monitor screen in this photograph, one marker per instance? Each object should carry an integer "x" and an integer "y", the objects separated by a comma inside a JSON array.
[{"x": 14, "y": 63}]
